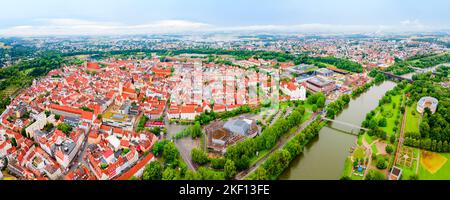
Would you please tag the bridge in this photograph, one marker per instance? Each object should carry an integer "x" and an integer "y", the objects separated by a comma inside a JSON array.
[
  {"x": 395, "y": 77},
  {"x": 424, "y": 70},
  {"x": 347, "y": 124}
]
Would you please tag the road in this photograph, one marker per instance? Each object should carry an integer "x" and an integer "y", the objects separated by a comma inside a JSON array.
[
  {"x": 242, "y": 175},
  {"x": 185, "y": 146},
  {"x": 402, "y": 133},
  {"x": 79, "y": 157}
]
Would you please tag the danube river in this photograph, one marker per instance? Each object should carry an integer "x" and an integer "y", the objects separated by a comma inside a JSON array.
[{"x": 323, "y": 158}]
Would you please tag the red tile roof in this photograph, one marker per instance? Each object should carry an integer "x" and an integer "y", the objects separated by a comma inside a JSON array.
[
  {"x": 92, "y": 65},
  {"x": 130, "y": 173}
]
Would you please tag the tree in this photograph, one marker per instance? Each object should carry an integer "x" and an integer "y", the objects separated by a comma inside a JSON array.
[
  {"x": 260, "y": 174},
  {"x": 392, "y": 139},
  {"x": 170, "y": 153},
  {"x": 13, "y": 142},
  {"x": 373, "y": 123},
  {"x": 320, "y": 101},
  {"x": 346, "y": 98},
  {"x": 381, "y": 163},
  {"x": 156, "y": 130},
  {"x": 414, "y": 177},
  {"x": 169, "y": 174},
  {"x": 389, "y": 149},
  {"x": 382, "y": 122},
  {"x": 445, "y": 146},
  {"x": 198, "y": 156},
  {"x": 439, "y": 146},
  {"x": 229, "y": 170},
  {"x": 153, "y": 171},
  {"x": 48, "y": 126},
  {"x": 57, "y": 117},
  {"x": 196, "y": 130},
  {"x": 218, "y": 163},
  {"x": 314, "y": 108},
  {"x": 191, "y": 175},
  {"x": 433, "y": 145},
  {"x": 65, "y": 128},
  {"x": 158, "y": 148},
  {"x": 375, "y": 175}
]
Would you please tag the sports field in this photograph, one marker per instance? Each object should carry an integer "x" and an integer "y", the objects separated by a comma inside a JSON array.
[{"x": 434, "y": 166}]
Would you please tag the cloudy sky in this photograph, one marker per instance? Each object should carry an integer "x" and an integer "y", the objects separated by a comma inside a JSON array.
[{"x": 75, "y": 17}]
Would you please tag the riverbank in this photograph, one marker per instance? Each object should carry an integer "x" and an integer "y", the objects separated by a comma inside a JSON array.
[{"x": 323, "y": 157}]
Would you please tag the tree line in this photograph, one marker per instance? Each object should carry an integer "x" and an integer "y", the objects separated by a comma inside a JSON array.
[
  {"x": 420, "y": 61},
  {"x": 324, "y": 62},
  {"x": 434, "y": 129},
  {"x": 279, "y": 161},
  {"x": 242, "y": 152}
]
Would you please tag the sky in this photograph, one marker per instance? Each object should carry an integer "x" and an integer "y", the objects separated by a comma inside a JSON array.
[{"x": 92, "y": 17}]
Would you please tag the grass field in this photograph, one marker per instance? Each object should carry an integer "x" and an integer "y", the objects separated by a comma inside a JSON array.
[
  {"x": 360, "y": 138},
  {"x": 432, "y": 162},
  {"x": 442, "y": 174},
  {"x": 368, "y": 138},
  {"x": 374, "y": 149},
  {"x": 390, "y": 113},
  {"x": 347, "y": 167},
  {"x": 9, "y": 91},
  {"x": 412, "y": 121},
  {"x": 409, "y": 171},
  {"x": 359, "y": 153}
]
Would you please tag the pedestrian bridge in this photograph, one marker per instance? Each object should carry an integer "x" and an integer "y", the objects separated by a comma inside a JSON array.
[
  {"x": 395, "y": 77},
  {"x": 347, "y": 124}
]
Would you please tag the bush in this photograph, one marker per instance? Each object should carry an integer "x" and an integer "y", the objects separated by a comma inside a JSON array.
[
  {"x": 218, "y": 163},
  {"x": 200, "y": 157},
  {"x": 389, "y": 149},
  {"x": 381, "y": 163},
  {"x": 375, "y": 175}
]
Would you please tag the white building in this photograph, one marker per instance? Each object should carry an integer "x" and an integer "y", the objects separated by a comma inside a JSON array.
[
  {"x": 41, "y": 121},
  {"x": 294, "y": 92},
  {"x": 427, "y": 102},
  {"x": 113, "y": 142}
]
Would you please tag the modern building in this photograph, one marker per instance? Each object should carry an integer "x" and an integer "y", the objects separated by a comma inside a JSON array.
[
  {"x": 243, "y": 127},
  {"x": 427, "y": 102},
  {"x": 118, "y": 120},
  {"x": 319, "y": 84},
  {"x": 324, "y": 72}
]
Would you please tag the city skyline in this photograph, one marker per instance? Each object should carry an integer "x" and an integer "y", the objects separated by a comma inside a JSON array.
[{"x": 50, "y": 17}]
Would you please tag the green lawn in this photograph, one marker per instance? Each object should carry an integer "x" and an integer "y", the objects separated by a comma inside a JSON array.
[
  {"x": 9, "y": 91},
  {"x": 409, "y": 171},
  {"x": 374, "y": 149},
  {"x": 368, "y": 138},
  {"x": 412, "y": 121},
  {"x": 442, "y": 174},
  {"x": 347, "y": 167},
  {"x": 390, "y": 114},
  {"x": 359, "y": 153},
  {"x": 360, "y": 138}
]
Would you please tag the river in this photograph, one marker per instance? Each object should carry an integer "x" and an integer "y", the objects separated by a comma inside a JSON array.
[{"x": 323, "y": 158}]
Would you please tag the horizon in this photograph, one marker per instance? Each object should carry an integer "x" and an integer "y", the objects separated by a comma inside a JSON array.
[{"x": 137, "y": 17}]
